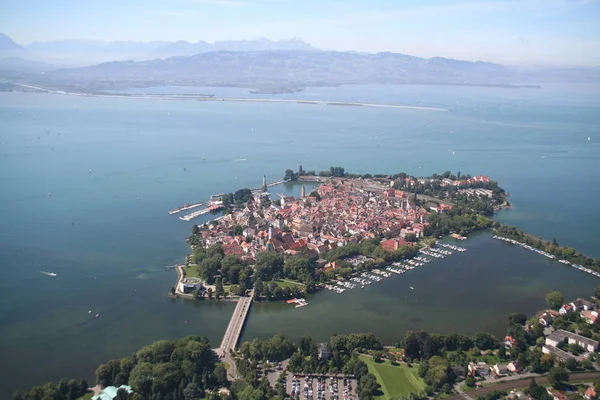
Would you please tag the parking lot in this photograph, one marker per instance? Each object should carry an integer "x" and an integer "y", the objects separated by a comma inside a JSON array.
[{"x": 320, "y": 387}]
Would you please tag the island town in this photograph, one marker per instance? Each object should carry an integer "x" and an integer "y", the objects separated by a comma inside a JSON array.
[
  {"x": 340, "y": 232},
  {"x": 346, "y": 232}
]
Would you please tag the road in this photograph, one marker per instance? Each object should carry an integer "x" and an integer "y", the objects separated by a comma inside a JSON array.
[
  {"x": 234, "y": 329},
  {"x": 520, "y": 384}
]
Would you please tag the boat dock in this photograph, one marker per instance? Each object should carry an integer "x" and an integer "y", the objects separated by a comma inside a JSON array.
[
  {"x": 185, "y": 207},
  {"x": 196, "y": 214}
]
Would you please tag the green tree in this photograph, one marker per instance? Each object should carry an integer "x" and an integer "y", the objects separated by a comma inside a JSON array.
[
  {"x": 558, "y": 376},
  {"x": 597, "y": 292},
  {"x": 241, "y": 289},
  {"x": 517, "y": 318},
  {"x": 195, "y": 229},
  {"x": 555, "y": 299},
  {"x": 258, "y": 288},
  {"x": 220, "y": 374},
  {"x": 571, "y": 364},
  {"x": 103, "y": 375},
  {"x": 192, "y": 392},
  {"x": 219, "y": 290}
]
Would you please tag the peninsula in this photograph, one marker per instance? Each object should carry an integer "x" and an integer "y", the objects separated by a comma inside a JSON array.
[{"x": 350, "y": 231}]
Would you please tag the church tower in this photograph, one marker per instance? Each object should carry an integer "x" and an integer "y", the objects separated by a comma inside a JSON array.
[
  {"x": 302, "y": 192},
  {"x": 264, "y": 185}
]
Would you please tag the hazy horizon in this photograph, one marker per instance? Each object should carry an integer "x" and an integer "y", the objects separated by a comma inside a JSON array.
[{"x": 514, "y": 32}]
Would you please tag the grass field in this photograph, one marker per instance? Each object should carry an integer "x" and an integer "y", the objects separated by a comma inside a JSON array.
[
  {"x": 396, "y": 380},
  {"x": 290, "y": 284},
  {"x": 191, "y": 272}
]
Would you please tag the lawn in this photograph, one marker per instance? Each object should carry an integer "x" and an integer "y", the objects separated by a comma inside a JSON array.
[
  {"x": 191, "y": 272},
  {"x": 88, "y": 396},
  {"x": 396, "y": 380},
  {"x": 287, "y": 283}
]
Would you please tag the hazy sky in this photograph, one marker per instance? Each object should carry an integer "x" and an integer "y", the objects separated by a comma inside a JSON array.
[{"x": 558, "y": 32}]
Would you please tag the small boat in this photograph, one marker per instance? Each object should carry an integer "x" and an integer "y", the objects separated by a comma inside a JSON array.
[
  {"x": 48, "y": 273},
  {"x": 411, "y": 288}
]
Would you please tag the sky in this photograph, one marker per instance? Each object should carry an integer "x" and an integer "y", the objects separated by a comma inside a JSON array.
[{"x": 513, "y": 32}]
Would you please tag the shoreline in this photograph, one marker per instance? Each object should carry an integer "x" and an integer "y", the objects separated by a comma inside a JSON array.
[{"x": 232, "y": 99}]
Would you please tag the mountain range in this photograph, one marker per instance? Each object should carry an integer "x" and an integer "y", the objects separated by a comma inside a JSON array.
[
  {"x": 283, "y": 67},
  {"x": 251, "y": 63},
  {"x": 76, "y": 53}
]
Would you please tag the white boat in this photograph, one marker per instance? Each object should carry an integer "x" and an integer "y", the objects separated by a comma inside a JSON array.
[
  {"x": 48, "y": 273},
  {"x": 411, "y": 288}
]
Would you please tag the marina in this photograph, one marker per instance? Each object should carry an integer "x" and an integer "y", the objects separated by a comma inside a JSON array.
[
  {"x": 364, "y": 279},
  {"x": 548, "y": 255},
  {"x": 215, "y": 206}
]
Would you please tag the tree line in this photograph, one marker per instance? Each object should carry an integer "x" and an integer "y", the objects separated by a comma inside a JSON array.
[
  {"x": 181, "y": 369},
  {"x": 552, "y": 247}
]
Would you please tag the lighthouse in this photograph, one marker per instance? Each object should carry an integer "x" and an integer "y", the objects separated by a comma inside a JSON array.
[{"x": 264, "y": 185}]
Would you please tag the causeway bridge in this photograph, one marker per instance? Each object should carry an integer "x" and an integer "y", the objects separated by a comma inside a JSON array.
[{"x": 234, "y": 329}]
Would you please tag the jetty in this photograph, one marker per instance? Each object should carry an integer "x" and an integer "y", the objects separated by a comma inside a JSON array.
[
  {"x": 185, "y": 207},
  {"x": 276, "y": 183},
  {"x": 196, "y": 214},
  {"x": 234, "y": 329}
]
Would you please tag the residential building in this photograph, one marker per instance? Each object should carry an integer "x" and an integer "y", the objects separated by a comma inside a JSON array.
[
  {"x": 558, "y": 336},
  {"x": 546, "y": 319},
  {"x": 500, "y": 370},
  {"x": 590, "y": 394},
  {"x": 515, "y": 367},
  {"x": 110, "y": 392},
  {"x": 481, "y": 369},
  {"x": 565, "y": 309},
  {"x": 509, "y": 341},
  {"x": 580, "y": 304},
  {"x": 556, "y": 352},
  {"x": 589, "y": 316}
]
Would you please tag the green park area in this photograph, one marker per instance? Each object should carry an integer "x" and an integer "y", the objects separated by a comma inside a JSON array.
[
  {"x": 191, "y": 271},
  {"x": 396, "y": 381},
  {"x": 283, "y": 283}
]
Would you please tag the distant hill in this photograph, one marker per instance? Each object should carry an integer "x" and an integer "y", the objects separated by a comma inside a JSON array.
[
  {"x": 183, "y": 48},
  {"x": 7, "y": 44},
  {"x": 91, "y": 51},
  {"x": 20, "y": 64},
  {"x": 8, "y": 48},
  {"x": 290, "y": 67}
]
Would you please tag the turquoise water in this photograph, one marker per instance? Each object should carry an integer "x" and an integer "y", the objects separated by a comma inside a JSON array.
[{"x": 89, "y": 199}]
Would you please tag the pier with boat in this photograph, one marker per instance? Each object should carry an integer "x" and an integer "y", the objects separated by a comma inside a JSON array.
[
  {"x": 299, "y": 302},
  {"x": 547, "y": 255},
  {"x": 363, "y": 279},
  {"x": 215, "y": 202},
  {"x": 185, "y": 207}
]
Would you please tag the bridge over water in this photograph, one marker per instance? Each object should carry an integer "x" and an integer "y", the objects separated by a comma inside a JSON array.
[{"x": 234, "y": 329}]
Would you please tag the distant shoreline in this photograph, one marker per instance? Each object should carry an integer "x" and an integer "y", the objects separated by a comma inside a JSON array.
[{"x": 240, "y": 99}]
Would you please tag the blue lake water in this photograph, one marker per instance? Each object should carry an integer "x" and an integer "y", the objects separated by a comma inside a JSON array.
[{"x": 87, "y": 183}]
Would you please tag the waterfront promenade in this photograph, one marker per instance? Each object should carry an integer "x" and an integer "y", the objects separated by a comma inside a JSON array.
[{"x": 234, "y": 329}]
